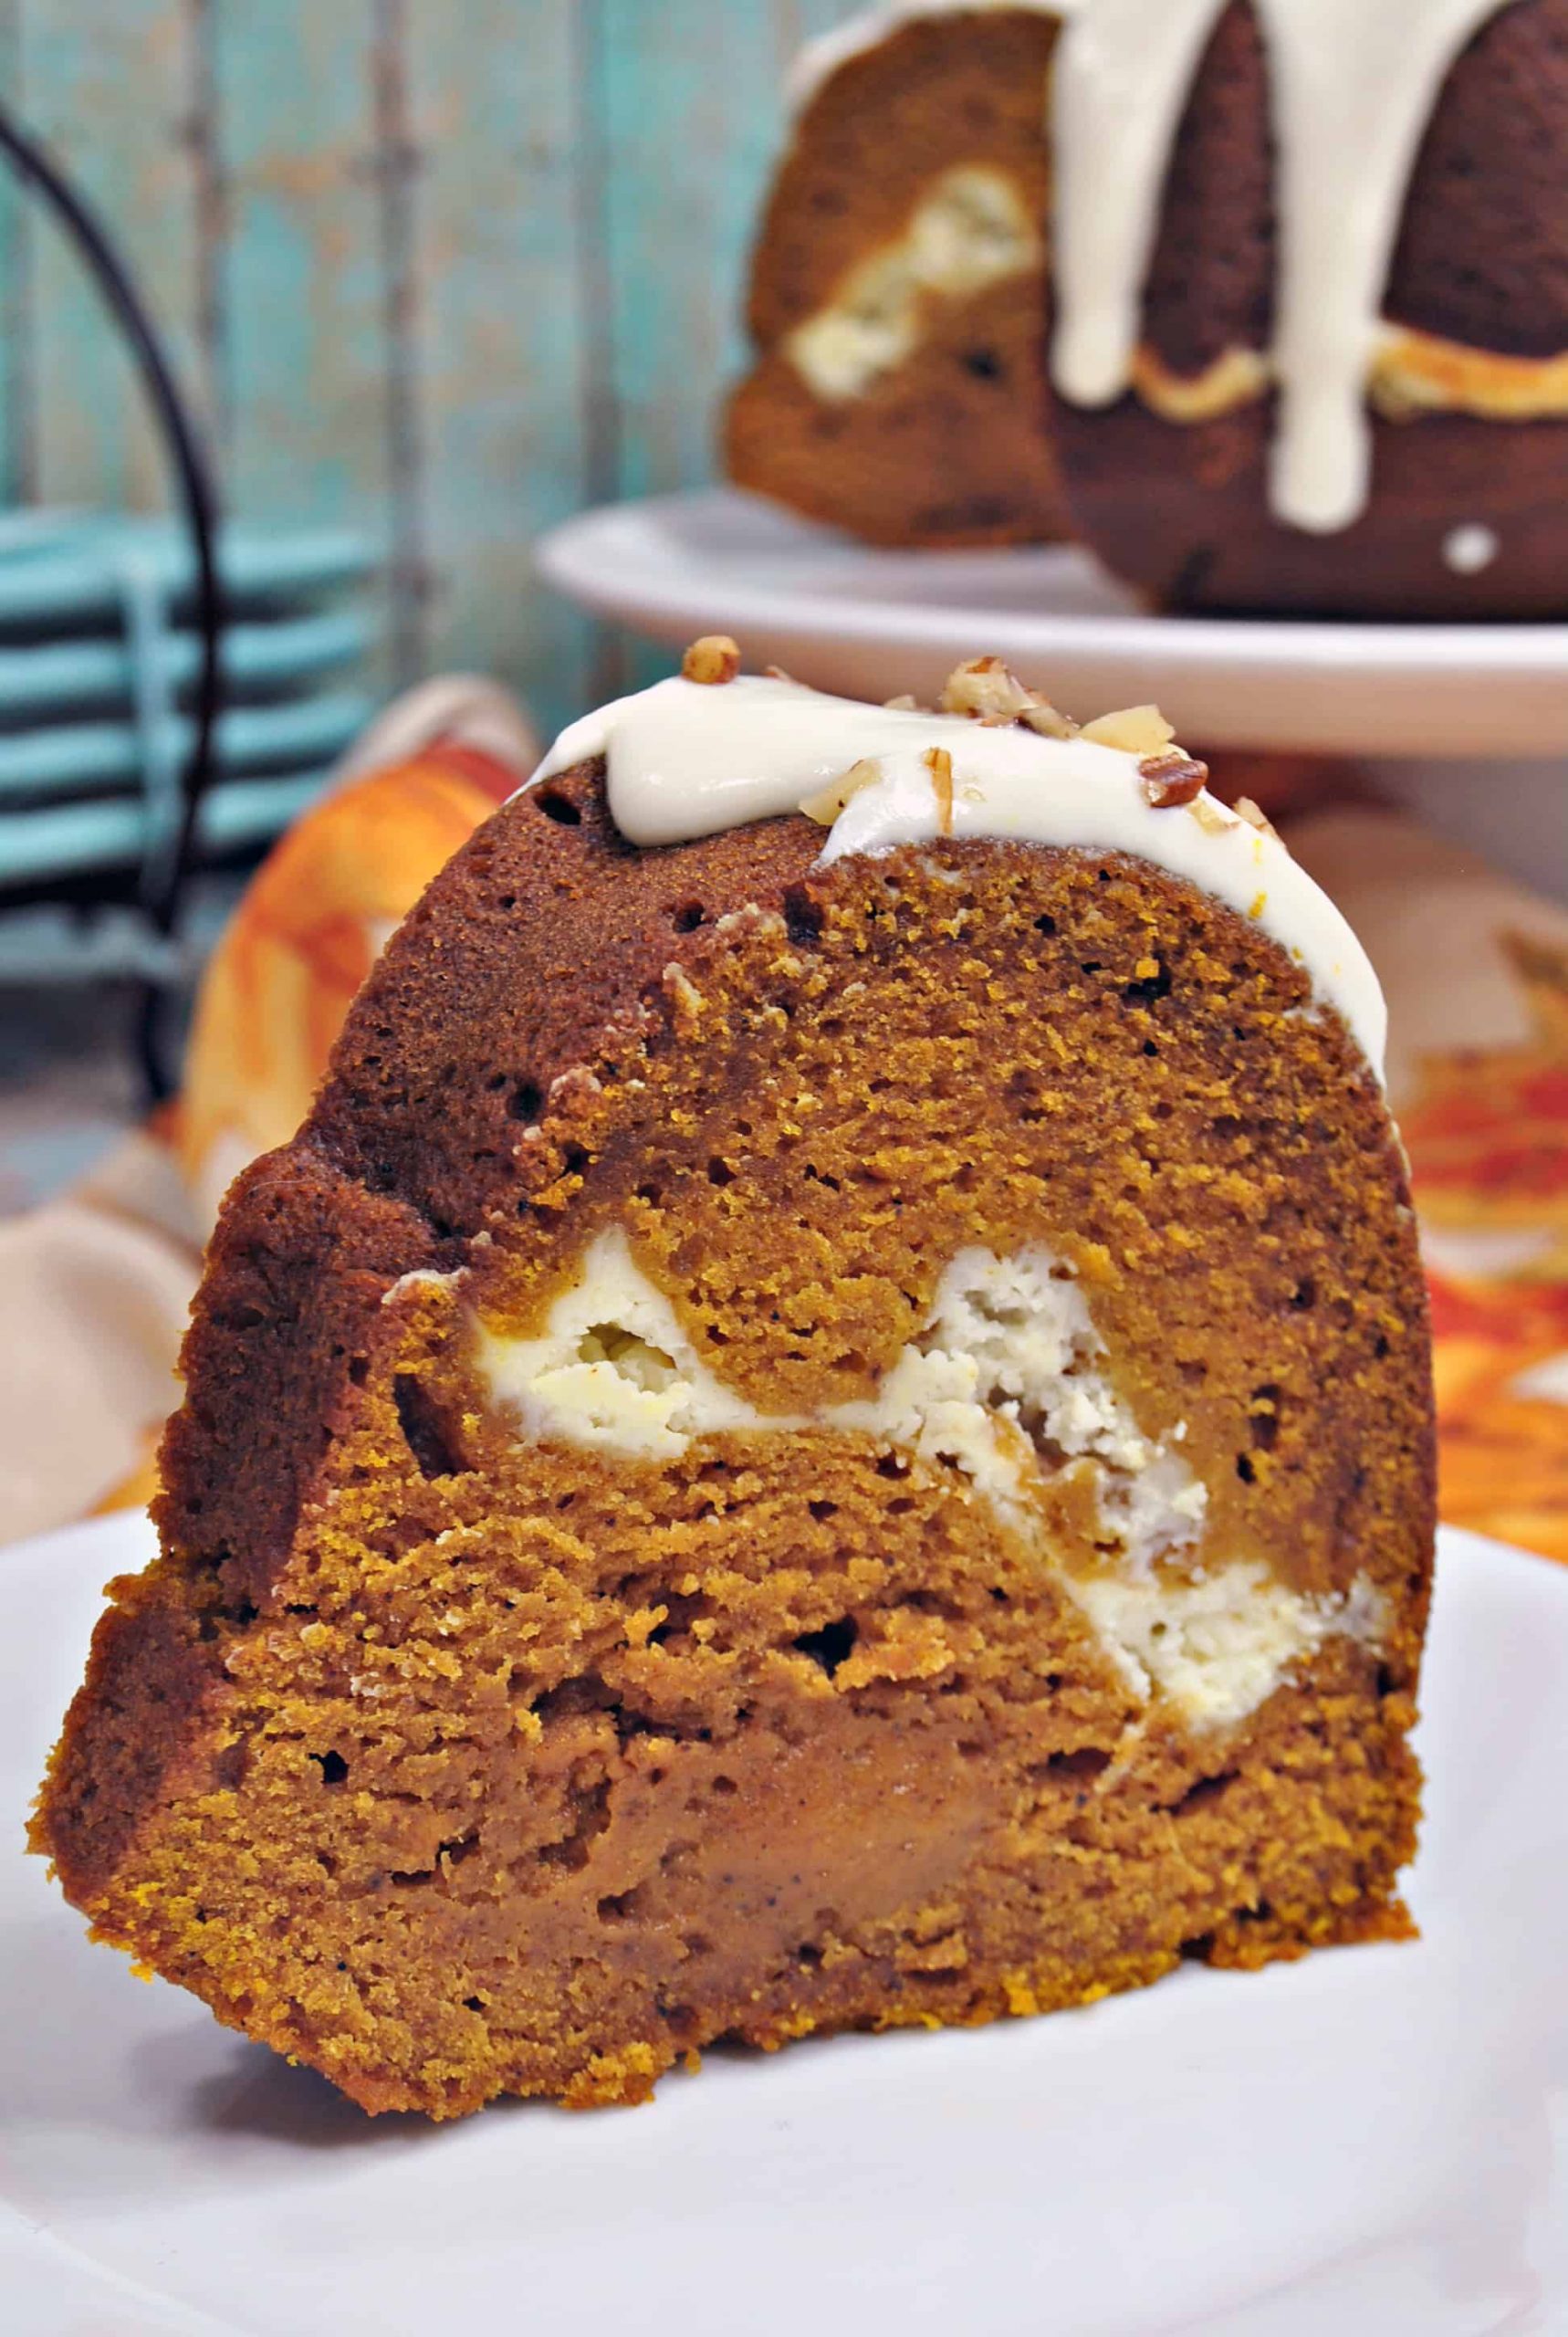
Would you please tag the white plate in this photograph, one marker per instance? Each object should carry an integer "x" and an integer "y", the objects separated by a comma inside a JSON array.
[
  {"x": 1361, "y": 2141},
  {"x": 843, "y": 616}
]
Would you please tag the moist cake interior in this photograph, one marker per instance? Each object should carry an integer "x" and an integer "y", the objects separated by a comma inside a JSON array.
[{"x": 864, "y": 1462}]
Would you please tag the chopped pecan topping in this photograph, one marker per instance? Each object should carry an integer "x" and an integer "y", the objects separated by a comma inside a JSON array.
[
  {"x": 1254, "y": 816},
  {"x": 1171, "y": 778},
  {"x": 939, "y": 762},
  {"x": 989, "y": 692},
  {"x": 985, "y": 691},
  {"x": 1211, "y": 817},
  {"x": 1044, "y": 719},
  {"x": 826, "y": 804},
  {"x": 713, "y": 658},
  {"x": 1135, "y": 729}
]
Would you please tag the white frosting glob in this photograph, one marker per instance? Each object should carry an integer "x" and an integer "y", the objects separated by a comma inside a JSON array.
[
  {"x": 1467, "y": 549},
  {"x": 1352, "y": 86},
  {"x": 686, "y": 758}
]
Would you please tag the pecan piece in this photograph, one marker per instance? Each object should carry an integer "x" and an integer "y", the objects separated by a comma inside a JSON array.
[
  {"x": 1134, "y": 729},
  {"x": 713, "y": 658},
  {"x": 827, "y": 801},
  {"x": 1171, "y": 778},
  {"x": 939, "y": 763},
  {"x": 1254, "y": 816}
]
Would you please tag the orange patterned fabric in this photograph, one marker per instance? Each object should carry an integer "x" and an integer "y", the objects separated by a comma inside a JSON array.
[{"x": 1487, "y": 1131}]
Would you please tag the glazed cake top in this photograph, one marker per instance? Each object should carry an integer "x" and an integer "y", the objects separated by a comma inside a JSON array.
[
  {"x": 1353, "y": 83},
  {"x": 688, "y": 758}
]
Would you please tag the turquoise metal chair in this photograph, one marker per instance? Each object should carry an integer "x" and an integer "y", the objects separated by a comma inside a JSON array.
[
  {"x": 99, "y": 658},
  {"x": 161, "y": 685}
]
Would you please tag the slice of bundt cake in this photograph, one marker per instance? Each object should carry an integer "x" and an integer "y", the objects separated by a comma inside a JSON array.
[
  {"x": 827, "y": 1425},
  {"x": 897, "y": 302}
]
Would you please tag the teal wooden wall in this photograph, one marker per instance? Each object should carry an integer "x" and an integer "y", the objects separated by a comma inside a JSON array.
[{"x": 448, "y": 270}]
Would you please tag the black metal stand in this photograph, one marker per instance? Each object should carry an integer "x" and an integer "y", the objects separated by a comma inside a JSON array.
[{"x": 162, "y": 892}]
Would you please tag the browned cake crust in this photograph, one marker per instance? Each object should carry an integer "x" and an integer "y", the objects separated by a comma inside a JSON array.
[
  {"x": 454, "y": 1762},
  {"x": 1210, "y": 292},
  {"x": 1177, "y": 503},
  {"x": 949, "y": 451},
  {"x": 1213, "y": 549},
  {"x": 1483, "y": 251}
]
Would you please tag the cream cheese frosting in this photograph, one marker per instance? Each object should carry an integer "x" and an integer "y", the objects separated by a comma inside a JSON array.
[
  {"x": 1351, "y": 87},
  {"x": 685, "y": 760},
  {"x": 1007, "y": 1369},
  {"x": 970, "y": 230}
]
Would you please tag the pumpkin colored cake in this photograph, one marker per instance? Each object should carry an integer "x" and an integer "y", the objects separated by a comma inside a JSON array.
[
  {"x": 1265, "y": 300},
  {"x": 826, "y": 1425}
]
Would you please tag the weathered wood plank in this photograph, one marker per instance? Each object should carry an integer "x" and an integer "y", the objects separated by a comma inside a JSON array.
[
  {"x": 396, "y": 166},
  {"x": 795, "y": 22},
  {"x": 690, "y": 120},
  {"x": 501, "y": 271},
  {"x": 304, "y": 278},
  {"x": 107, "y": 88},
  {"x": 446, "y": 277},
  {"x": 205, "y": 130},
  {"x": 693, "y": 120}
]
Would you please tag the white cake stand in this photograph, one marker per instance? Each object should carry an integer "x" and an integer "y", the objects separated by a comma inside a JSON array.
[{"x": 870, "y": 623}]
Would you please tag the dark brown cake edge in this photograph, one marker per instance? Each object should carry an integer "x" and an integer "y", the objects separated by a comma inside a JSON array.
[{"x": 312, "y": 1236}]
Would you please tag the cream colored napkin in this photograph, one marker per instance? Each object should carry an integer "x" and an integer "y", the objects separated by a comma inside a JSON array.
[
  {"x": 94, "y": 1290},
  {"x": 1442, "y": 928}
]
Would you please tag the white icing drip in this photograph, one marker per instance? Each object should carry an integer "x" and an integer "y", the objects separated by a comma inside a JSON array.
[
  {"x": 1117, "y": 88},
  {"x": 688, "y": 758},
  {"x": 1352, "y": 86}
]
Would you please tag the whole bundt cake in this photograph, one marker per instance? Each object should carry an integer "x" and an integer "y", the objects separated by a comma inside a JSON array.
[
  {"x": 827, "y": 1425},
  {"x": 1307, "y": 269}
]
